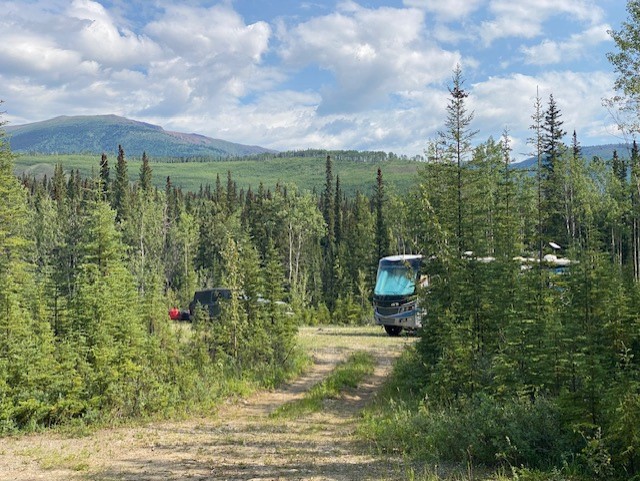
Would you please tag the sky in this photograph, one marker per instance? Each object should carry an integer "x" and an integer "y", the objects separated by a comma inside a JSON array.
[{"x": 286, "y": 75}]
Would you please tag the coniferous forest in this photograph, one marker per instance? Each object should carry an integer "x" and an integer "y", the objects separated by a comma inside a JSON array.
[{"x": 518, "y": 365}]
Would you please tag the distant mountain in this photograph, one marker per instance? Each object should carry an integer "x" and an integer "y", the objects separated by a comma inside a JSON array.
[
  {"x": 103, "y": 133},
  {"x": 604, "y": 152}
]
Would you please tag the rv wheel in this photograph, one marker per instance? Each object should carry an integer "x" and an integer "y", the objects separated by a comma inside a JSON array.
[{"x": 393, "y": 330}]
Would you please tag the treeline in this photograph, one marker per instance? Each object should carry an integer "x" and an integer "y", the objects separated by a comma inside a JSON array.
[
  {"x": 90, "y": 266},
  {"x": 518, "y": 365},
  {"x": 337, "y": 155}
]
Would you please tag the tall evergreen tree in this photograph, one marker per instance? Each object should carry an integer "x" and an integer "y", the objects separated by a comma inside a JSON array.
[
  {"x": 338, "y": 218},
  {"x": 121, "y": 188},
  {"x": 145, "y": 174},
  {"x": 554, "y": 174},
  {"x": 634, "y": 163},
  {"x": 232, "y": 194},
  {"x": 329, "y": 251},
  {"x": 618, "y": 166},
  {"x": 359, "y": 238},
  {"x": 576, "y": 149},
  {"x": 457, "y": 142},
  {"x": 538, "y": 146},
  {"x": 382, "y": 232},
  {"x": 59, "y": 193},
  {"x": 104, "y": 176},
  {"x": 552, "y": 136},
  {"x": 328, "y": 209}
]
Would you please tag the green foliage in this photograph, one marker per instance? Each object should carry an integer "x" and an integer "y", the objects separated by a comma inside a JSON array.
[
  {"x": 350, "y": 312},
  {"x": 477, "y": 430}
]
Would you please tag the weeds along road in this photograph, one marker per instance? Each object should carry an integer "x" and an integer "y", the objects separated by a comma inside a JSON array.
[{"x": 238, "y": 442}]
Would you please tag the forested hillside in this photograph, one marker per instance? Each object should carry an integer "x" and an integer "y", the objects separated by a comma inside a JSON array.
[{"x": 82, "y": 134}]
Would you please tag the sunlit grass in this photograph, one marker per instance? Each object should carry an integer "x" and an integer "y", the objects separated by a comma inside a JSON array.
[{"x": 346, "y": 375}]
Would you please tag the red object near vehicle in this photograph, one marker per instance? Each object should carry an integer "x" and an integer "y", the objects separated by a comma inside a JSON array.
[{"x": 174, "y": 314}]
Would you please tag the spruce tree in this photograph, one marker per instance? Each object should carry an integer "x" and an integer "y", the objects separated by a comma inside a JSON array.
[
  {"x": 382, "y": 232},
  {"x": 554, "y": 172},
  {"x": 145, "y": 174},
  {"x": 576, "y": 149},
  {"x": 59, "y": 182},
  {"x": 233, "y": 320},
  {"x": 537, "y": 142},
  {"x": 618, "y": 166},
  {"x": 338, "y": 217},
  {"x": 457, "y": 143},
  {"x": 328, "y": 212},
  {"x": 359, "y": 237},
  {"x": 552, "y": 136},
  {"x": 104, "y": 176},
  {"x": 634, "y": 162},
  {"x": 121, "y": 188},
  {"x": 328, "y": 198},
  {"x": 232, "y": 194}
]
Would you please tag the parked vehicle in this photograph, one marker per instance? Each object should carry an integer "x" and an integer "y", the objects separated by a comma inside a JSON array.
[
  {"x": 395, "y": 301},
  {"x": 210, "y": 300}
]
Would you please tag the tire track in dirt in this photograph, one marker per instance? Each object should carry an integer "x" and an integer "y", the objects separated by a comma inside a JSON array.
[{"x": 239, "y": 442}]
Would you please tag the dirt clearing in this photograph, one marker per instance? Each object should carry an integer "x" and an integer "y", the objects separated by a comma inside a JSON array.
[{"x": 237, "y": 442}]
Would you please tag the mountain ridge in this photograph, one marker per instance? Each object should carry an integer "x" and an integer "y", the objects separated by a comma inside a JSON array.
[
  {"x": 103, "y": 133},
  {"x": 602, "y": 151}
]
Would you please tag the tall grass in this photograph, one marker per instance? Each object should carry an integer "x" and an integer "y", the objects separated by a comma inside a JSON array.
[{"x": 510, "y": 439}]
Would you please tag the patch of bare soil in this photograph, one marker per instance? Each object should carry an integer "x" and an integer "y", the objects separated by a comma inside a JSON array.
[{"x": 238, "y": 442}]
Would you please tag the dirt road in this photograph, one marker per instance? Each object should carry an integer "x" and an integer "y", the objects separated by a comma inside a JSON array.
[{"x": 238, "y": 442}]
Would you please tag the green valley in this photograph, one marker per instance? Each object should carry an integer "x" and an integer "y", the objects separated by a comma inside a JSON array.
[{"x": 307, "y": 172}]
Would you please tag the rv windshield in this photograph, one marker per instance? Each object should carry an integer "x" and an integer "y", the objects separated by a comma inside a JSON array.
[{"x": 395, "y": 279}]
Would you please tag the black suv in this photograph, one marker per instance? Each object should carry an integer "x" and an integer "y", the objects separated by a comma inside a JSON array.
[{"x": 210, "y": 300}]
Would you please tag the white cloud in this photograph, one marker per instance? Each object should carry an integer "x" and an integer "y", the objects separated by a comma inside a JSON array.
[
  {"x": 508, "y": 101},
  {"x": 449, "y": 10},
  {"x": 98, "y": 38},
  {"x": 578, "y": 45},
  {"x": 36, "y": 57},
  {"x": 213, "y": 52},
  {"x": 202, "y": 34},
  {"x": 371, "y": 53},
  {"x": 79, "y": 57},
  {"x": 524, "y": 18}
]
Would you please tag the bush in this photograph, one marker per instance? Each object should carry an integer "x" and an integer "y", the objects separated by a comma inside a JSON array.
[
  {"x": 479, "y": 430},
  {"x": 349, "y": 312}
]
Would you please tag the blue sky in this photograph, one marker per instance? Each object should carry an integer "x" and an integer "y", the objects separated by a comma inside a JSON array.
[{"x": 282, "y": 74}]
